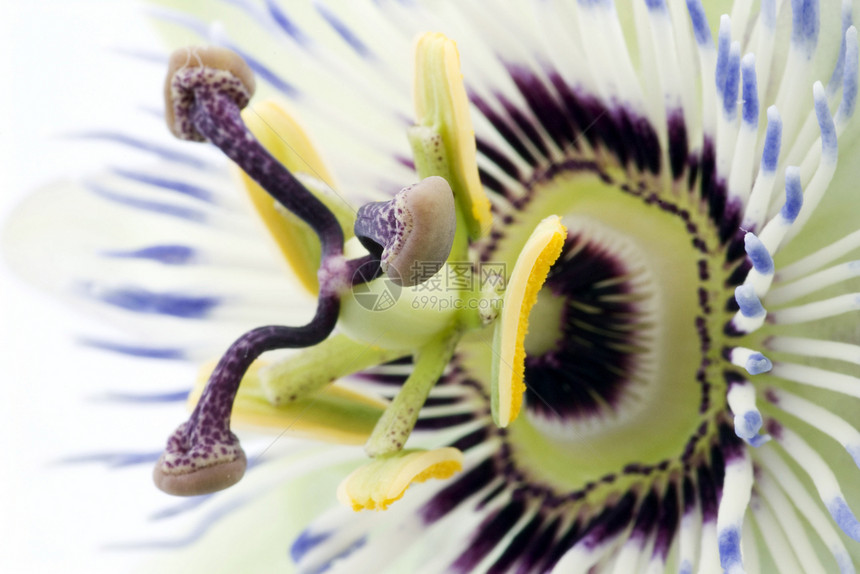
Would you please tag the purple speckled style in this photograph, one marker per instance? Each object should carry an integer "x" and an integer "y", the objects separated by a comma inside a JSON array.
[
  {"x": 205, "y": 439},
  {"x": 207, "y": 105},
  {"x": 217, "y": 116}
]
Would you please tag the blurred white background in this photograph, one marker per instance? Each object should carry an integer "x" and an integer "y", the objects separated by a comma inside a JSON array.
[{"x": 62, "y": 71}]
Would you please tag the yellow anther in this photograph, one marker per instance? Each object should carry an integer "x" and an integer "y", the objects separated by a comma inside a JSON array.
[
  {"x": 383, "y": 481},
  {"x": 285, "y": 139},
  {"x": 528, "y": 276},
  {"x": 334, "y": 414},
  {"x": 442, "y": 106}
]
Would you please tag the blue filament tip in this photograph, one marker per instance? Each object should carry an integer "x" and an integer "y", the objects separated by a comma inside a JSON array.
[
  {"x": 306, "y": 542},
  {"x": 724, "y": 43},
  {"x": 758, "y": 254},
  {"x": 835, "y": 81},
  {"x": 748, "y": 302},
  {"x": 139, "y": 300},
  {"x": 842, "y": 515},
  {"x": 603, "y": 3},
  {"x": 845, "y": 563},
  {"x": 750, "y": 91},
  {"x": 700, "y": 23},
  {"x": 854, "y": 451},
  {"x": 286, "y": 24},
  {"x": 343, "y": 30},
  {"x": 849, "y": 77},
  {"x": 829, "y": 146},
  {"x": 758, "y": 440},
  {"x": 168, "y": 254},
  {"x": 793, "y": 194},
  {"x": 733, "y": 71},
  {"x": 772, "y": 141},
  {"x": 758, "y": 364},
  {"x": 805, "y": 25},
  {"x": 747, "y": 424},
  {"x": 730, "y": 549}
]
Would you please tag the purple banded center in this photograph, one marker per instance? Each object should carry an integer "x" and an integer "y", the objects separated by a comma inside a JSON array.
[{"x": 598, "y": 333}]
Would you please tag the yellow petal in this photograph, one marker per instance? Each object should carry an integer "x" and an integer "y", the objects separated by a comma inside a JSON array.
[
  {"x": 334, "y": 414},
  {"x": 384, "y": 480},
  {"x": 285, "y": 139},
  {"x": 441, "y": 104},
  {"x": 530, "y": 271}
]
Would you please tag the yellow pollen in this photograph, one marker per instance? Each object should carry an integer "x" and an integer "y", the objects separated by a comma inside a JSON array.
[
  {"x": 383, "y": 481},
  {"x": 528, "y": 276}
]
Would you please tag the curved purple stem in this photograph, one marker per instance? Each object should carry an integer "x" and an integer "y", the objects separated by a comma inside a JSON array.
[
  {"x": 211, "y": 416},
  {"x": 217, "y": 117},
  {"x": 203, "y": 455}
]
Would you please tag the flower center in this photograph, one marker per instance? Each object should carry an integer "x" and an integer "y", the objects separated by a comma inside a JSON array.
[
  {"x": 622, "y": 336},
  {"x": 604, "y": 311}
]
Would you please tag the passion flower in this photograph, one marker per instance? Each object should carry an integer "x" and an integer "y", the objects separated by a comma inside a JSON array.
[{"x": 603, "y": 295}]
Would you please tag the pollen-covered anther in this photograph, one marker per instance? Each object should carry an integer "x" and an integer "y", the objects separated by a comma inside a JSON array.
[
  {"x": 412, "y": 233},
  {"x": 541, "y": 250},
  {"x": 203, "y": 72},
  {"x": 383, "y": 481},
  {"x": 443, "y": 139}
]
